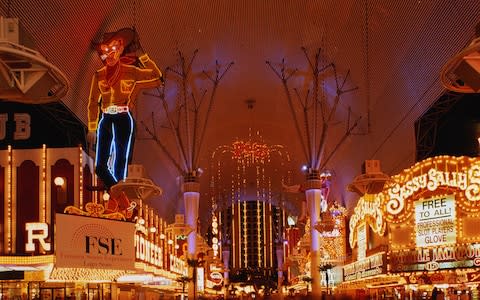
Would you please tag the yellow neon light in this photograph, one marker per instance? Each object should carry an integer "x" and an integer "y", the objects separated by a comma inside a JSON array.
[
  {"x": 259, "y": 236},
  {"x": 43, "y": 197},
  {"x": 221, "y": 233},
  {"x": 80, "y": 176},
  {"x": 233, "y": 237},
  {"x": 161, "y": 272},
  {"x": 245, "y": 236},
  {"x": 271, "y": 232},
  {"x": 157, "y": 227},
  {"x": 8, "y": 209},
  {"x": 13, "y": 206},
  {"x": 27, "y": 260},
  {"x": 83, "y": 274},
  {"x": 264, "y": 237}
]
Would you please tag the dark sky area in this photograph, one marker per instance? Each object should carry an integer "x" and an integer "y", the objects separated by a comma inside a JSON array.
[{"x": 459, "y": 128}]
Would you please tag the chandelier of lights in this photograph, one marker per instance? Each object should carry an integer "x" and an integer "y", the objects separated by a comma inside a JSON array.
[{"x": 251, "y": 151}]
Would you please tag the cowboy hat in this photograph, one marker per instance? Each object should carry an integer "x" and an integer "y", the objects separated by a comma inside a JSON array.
[
  {"x": 129, "y": 37},
  {"x": 126, "y": 34}
]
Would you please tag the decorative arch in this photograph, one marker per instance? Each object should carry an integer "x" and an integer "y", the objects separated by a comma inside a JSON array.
[
  {"x": 27, "y": 204},
  {"x": 87, "y": 184},
  {"x": 62, "y": 196}
]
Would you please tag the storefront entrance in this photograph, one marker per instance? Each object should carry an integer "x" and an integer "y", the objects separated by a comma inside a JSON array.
[
  {"x": 52, "y": 293},
  {"x": 21, "y": 290}
]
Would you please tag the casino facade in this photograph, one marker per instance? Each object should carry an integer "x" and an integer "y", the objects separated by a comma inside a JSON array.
[
  {"x": 61, "y": 239},
  {"x": 419, "y": 233}
]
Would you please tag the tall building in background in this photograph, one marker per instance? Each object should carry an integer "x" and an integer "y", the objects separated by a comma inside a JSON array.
[{"x": 255, "y": 229}]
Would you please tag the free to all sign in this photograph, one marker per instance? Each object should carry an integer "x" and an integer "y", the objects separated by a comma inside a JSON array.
[{"x": 435, "y": 221}]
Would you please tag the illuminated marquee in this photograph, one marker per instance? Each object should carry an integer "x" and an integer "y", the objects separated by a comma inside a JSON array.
[
  {"x": 147, "y": 251},
  {"x": 177, "y": 265},
  {"x": 460, "y": 173},
  {"x": 215, "y": 241},
  {"x": 440, "y": 257},
  {"x": 368, "y": 209},
  {"x": 369, "y": 266}
]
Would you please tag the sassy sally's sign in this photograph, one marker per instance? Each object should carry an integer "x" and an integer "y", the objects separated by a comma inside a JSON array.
[
  {"x": 467, "y": 181},
  {"x": 435, "y": 175}
]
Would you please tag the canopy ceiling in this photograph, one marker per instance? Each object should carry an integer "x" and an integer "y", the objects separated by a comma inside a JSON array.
[{"x": 392, "y": 50}]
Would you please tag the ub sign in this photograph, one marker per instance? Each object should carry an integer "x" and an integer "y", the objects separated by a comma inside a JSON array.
[{"x": 22, "y": 128}]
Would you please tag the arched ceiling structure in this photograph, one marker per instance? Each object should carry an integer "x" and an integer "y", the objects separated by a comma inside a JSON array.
[{"x": 392, "y": 50}]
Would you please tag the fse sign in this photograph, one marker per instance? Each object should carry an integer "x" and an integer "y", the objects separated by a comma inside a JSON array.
[
  {"x": 435, "y": 221},
  {"x": 85, "y": 242}
]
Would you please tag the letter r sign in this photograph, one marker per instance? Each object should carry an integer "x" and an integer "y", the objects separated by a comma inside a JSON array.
[{"x": 37, "y": 231}]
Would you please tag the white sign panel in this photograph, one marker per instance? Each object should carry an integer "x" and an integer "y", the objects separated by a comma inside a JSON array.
[
  {"x": 200, "y": 280},
  {"x": 362, "y": 241},
  {"x": 435, "y": 221},
  {"x": 85, "y": 242}
]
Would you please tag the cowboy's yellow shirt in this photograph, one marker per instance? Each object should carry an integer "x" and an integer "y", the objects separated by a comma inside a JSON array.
[{"x": 124, "y": 91}]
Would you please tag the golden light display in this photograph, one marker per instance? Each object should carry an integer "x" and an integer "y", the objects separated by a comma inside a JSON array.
[
  {"x": 84, "y": 274},
  {"x": 27, "y": 260},
  {"x": 250, "y": 152},
  {"x": 9, "y": 230},
  {"x": 94, "y": 210},
  {"x": 43, "y": 199},
  {"x": 332, "y": 232},
  {"x": 80, "y": 177}
]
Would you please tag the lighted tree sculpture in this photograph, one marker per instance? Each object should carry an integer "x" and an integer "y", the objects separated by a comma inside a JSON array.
[
  {"x": 318, "y": 114},
  {"x": 187, "y": 124}
]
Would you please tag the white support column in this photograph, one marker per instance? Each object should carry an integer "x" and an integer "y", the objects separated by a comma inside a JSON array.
[
  {"x": 314, "y": 198},
  {"x": 226, "y": 269},
  {"x": 191, "y": 197},
  {"x": 279, "y": 252}
]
